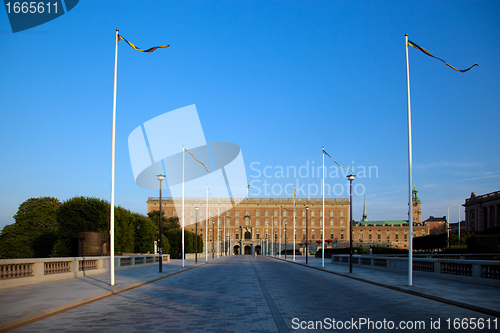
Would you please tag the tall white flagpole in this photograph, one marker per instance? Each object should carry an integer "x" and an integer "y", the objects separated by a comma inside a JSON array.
[
  {"x": 279, "y": 221},
  {"x": 272, "y": 231},
  {"x": 410, "y": 202},
  {"x": 112, "y": 213},
  {"x": 294, "y": 223},
  {"x": 206, "y": 230},
  {"x": 459, "y": 224},
  {"x": 218, "y": 227},
  {"x": 183, "y": 150},
  {"x": 323, "y": 190}
]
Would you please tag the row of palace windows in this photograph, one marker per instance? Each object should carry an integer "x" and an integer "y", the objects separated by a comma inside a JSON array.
[
  {"x": 276, "y": 222},
  {"x": 257, "y": 213},
  {"x": 332, "y": 236}
]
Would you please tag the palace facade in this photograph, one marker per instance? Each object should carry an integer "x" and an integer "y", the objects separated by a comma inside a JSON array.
[
  {"x": 482, "y": 211},
  {"x": 265, "y": 225}
]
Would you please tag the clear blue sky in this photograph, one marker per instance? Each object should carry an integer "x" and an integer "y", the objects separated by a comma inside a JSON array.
[{"x": 279, "y": 78}]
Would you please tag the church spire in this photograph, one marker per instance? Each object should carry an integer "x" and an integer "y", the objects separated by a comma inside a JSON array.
[{"x": 365, "y": 217}]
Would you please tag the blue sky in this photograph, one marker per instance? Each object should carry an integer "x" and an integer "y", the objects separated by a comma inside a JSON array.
[{"x": 279, "y": 78}]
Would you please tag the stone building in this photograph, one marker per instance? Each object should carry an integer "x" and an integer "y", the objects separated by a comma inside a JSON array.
[
  {"x": 262, "y": 224},
  {"x": 250, "y": 226},
  {"x": 389, "y": 233},
  {"x": 437, "y": 225},
  {"x": 482, "y": 212}
]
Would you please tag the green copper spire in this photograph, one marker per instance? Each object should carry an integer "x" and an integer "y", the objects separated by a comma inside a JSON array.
[
  {"x": 415, "y": 198},
  {"x": 365, "y": 216}
]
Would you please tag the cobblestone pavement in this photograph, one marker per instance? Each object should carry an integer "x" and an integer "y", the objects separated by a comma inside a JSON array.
[{"x": 243, "y": 294}]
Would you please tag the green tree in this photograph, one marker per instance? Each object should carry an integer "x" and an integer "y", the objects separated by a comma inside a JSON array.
[
  {"x": 145, "y": 234},
  {"x": 76, "y": 215},
  {"x": 175, "y": 240},
  {"x": 34, "y": 232}
]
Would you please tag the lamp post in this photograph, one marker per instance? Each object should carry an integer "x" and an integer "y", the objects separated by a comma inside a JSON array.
[
  {"x": 351, "y": 178},
  {"x": 196, "y": 239},
  {"x": 285, "y": 239},
  {"x": 307, "y": 236},
  {"x": 213, "y": 236},
  {"x": 160, "y": 178}
]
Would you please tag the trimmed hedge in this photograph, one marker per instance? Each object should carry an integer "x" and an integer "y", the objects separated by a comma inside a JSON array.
[{"x": 483, "y": 244}]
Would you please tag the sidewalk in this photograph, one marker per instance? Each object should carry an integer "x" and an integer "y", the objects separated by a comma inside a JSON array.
[
  {"x": 32, "y": 302},
  {"x": 484, "y": 299}
]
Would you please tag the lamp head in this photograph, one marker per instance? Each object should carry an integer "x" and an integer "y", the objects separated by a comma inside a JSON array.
[
  {"x": 351, "y": 177},
  {"x": 160, "y": 177}
]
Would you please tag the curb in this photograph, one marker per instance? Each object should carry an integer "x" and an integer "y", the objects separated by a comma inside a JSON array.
[
  {"x": 49, "y": 313},
  {"x": 467, "y": 306}
]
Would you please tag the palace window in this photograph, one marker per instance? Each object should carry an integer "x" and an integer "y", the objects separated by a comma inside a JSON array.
[
  {"x": 341, "y": 222},
  {"x": 331, "y": 222},
  {"x": 312, "y": 222},
  {"x": 341, "y": 236},
  {"x": 257, "y": 213},
  {"x": 342, "y": 213},
  {"x": 331, "y": 213},
  {"x": 258, "y": 222},
  {"x": 237, "y": 213},
  {"x": 312, "y": 214},
  {"x": 228, "y": 213},
  {"x": 237, "y": 222},
  {"x": 237, "y": 236},
  {"x": 284, "y": 213}
]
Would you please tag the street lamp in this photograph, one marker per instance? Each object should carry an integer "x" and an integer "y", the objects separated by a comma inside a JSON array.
[
  {"x": 285, "y": 239},
  {"x": 351, "y": 178},
  {"x": 160, "y": 178},
  {"x": 213, "y": 236},
  {"x": 196, "y": 239},
  {"x": 307, "y": 236}
]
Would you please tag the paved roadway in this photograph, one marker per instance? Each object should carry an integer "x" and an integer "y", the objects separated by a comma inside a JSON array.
[{"x": 243, "y": 294}]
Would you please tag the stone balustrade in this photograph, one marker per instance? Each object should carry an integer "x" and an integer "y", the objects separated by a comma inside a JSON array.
[
  {"x": 485, "y": 272},
  {"x": 20, "y": 272}
]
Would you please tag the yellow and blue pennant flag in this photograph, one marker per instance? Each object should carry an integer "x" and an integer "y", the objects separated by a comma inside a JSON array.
[
  {"x": 151, "y": 49},
  {"x": 410, "y": 43},
  {"x": 324, "y": 152},
  {"x": 197, "y": 160}
]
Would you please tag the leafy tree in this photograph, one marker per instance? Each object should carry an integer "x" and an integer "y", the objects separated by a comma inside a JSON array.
[
  {"x": 76, "y": 215},
  {"x": 175, "y": 240},
  {"x": 124, "y": 230},
  {"x": 145, "y": 234},
  {"x": 34, "y": 232}
]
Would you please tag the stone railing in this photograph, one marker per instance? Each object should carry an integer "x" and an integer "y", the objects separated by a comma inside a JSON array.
[
  {"x": 19, "y": 272},
  {"x": 475, "y": 271}
]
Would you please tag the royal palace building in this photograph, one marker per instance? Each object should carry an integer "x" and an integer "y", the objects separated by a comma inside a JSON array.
[{"x": 265, "y": 225}]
